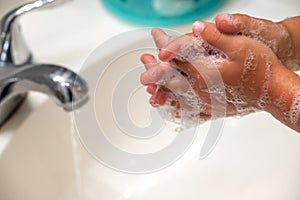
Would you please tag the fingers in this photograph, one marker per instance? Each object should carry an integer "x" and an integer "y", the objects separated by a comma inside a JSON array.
[
  {"x": 158, "y": 99},
  {"x": 244, "y": 24},
  {"x": 151, "y": 89},
  {"x": 170, "y": 50},
  {"x": 274, "y": 35},
  {"x": 163, "y": 74},
  {"x": 160, "y": 38},
  {"x": 155, "y": 74},
  {"x": 210, "y": 33},
  {"x": 150, "y": 77},
  {"x": 148, "y": 60},
  {"x": 232, "y": 24}
]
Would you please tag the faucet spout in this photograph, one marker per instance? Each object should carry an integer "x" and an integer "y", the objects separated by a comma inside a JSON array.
[
  {"x": 19, "y": 74},
  {"x": 65, "y": 87}
]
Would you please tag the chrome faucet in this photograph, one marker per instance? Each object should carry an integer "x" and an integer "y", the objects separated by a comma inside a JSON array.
[{"x": 19, "y": 75}]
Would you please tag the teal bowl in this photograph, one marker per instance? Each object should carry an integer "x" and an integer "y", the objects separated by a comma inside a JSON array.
[{"x": 162, "y": 13}]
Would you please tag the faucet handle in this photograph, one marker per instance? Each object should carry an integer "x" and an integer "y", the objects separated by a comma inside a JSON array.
[{"x": 9, "y": 31}]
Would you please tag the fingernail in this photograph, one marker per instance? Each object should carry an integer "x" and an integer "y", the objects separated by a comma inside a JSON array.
[
  {"x": 198, "y": 27},
  {"x": 229, "y": 18},
  {"x": 153, "y": 102},
  {"x": 225, "y": 14}
]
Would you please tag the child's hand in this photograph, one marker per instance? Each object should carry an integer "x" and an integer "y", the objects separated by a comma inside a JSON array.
[
  {"x": 246, "y": 68},
  {"x": 253, "y": 78},
  {"x": 282, "y": 37}
]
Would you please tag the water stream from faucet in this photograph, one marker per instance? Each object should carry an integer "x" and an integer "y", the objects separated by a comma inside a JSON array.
[{"x": 76, "y": 161}]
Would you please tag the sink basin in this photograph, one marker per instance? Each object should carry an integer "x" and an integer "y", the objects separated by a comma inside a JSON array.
[
  {"x": 256, "y": 158},
  {"x": 46, "y": 154}
]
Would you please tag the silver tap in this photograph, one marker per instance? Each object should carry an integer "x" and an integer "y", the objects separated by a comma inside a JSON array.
[{"x": 19, "y": 75}]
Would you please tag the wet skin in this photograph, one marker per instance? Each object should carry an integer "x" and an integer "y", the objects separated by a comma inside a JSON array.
[
  {"x": 282, "y": 37},
  {"x": 266, "y": 75}
]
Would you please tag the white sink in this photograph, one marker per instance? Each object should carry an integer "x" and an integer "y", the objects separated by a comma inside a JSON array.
[
  {"x": 256, "y": 158},
  {"x": 43, "y": 157}
]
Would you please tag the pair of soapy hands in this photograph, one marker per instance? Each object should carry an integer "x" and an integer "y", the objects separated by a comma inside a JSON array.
[{"x": 258, "y": 56}]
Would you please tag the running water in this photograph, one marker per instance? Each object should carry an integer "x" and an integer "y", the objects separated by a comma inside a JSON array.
[{"x": 76, "y": 160}]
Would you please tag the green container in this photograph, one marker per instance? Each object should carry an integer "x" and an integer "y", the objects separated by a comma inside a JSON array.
[{"x": 162, "y": 13}]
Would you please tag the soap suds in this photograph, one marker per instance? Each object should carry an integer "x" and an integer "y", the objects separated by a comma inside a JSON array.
[
  {"x": 250, "y": 64},
  {"x": 293, "y": 114},
  {"x": 185, "y": 107},
  {"x": 264, "y": 98}
]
